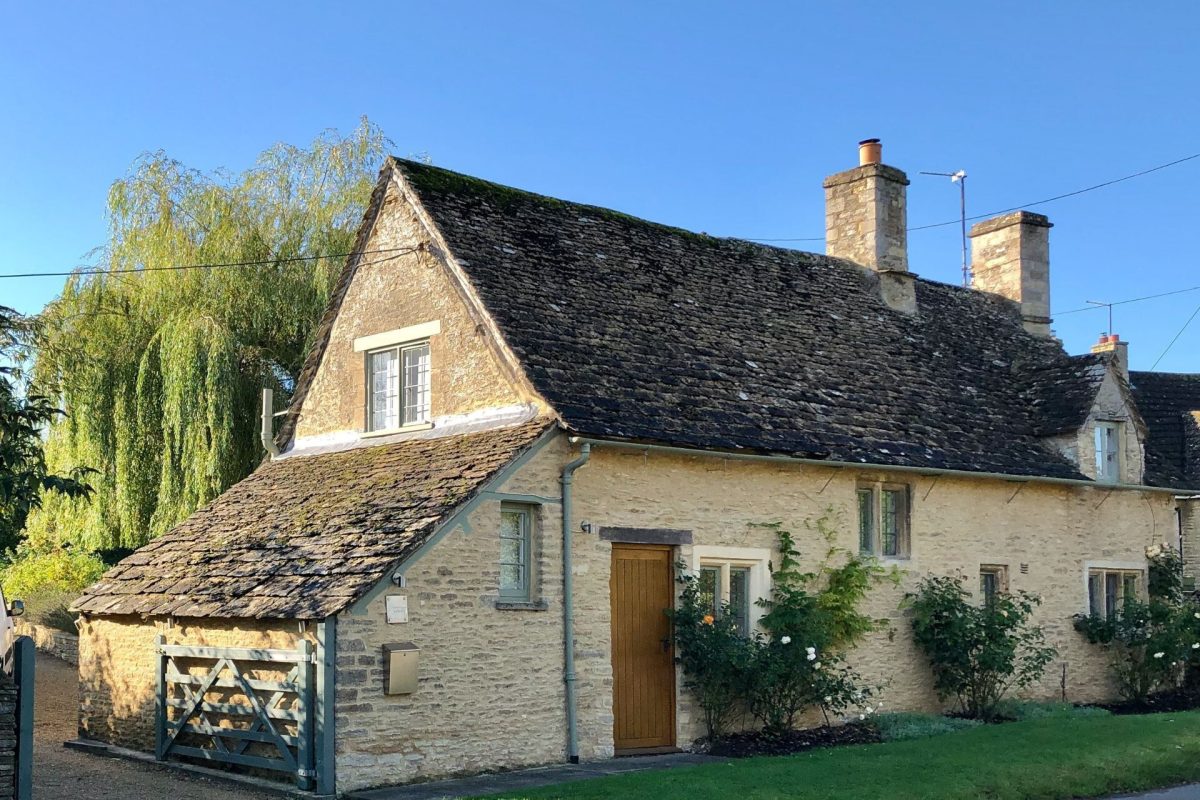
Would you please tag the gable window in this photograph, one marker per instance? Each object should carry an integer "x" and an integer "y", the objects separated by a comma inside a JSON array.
[
  {"x": 398, "y": 386},
  {"x": 516, "y": 546},
  {"x": 1109, "y": 589},
  {"x": 1108, "y": 452},
  {"x": 883, "y": 520},
  {"x": 731, "y": 580},
  {"x": 993, "y": 581}
]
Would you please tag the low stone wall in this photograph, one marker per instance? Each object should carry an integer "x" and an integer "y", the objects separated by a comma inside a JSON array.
[{"x": 50, "y": 640}]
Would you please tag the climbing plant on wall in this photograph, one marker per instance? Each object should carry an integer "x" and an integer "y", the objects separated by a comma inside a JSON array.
[{"x": 159, "y": 369}]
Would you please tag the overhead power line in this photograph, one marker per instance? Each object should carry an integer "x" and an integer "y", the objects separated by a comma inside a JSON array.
[
  {"x": 1176, "y": 339},
  {"x": 176, "y": 267},
  {"x": 1095, "y": 306},
  {"x": 959, "y": 220}
]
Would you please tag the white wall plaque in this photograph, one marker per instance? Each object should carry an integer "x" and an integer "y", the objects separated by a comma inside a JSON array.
[{"x": 397, "y": 608}]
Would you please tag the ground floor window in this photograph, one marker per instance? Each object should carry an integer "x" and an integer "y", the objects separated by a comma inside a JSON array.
[
  {"x": 993, "y": 581},
  {"x": 732, "y": 580},
  {"x": 1108, "y": 589}
]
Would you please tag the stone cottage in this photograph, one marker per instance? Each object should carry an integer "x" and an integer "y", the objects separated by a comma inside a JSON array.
[{"x": 520, "y": 413}]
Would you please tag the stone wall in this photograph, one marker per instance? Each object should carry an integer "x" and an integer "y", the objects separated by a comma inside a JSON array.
[
  {"x": 52, "y": 641},
  {"x": 391, "y": 292},
  {"x": 118, "y": 667},
  {"x": 490, "y": 694}
]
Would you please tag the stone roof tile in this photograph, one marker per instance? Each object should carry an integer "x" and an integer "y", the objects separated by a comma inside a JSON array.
[{"x": 287, "y": 542}]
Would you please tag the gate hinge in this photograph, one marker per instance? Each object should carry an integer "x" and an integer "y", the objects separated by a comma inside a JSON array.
[{"x": 306, "y": 773}]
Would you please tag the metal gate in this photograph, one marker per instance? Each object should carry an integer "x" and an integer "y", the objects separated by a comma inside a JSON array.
[{"x": 241, "y": 706}]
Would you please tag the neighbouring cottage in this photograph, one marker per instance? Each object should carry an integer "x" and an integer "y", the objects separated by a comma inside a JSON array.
[{"x": 521, "y": 412}]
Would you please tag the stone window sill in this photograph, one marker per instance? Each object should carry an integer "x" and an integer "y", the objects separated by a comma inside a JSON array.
[
  {"x": 522, "y": 605},
  {"x": 417, "y": 426}
]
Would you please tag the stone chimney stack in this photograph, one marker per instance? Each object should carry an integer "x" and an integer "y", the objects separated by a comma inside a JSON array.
[
  {"x": 1010, "y": 256},
  {"x": 1111, "y": 343},
  {"x": 866, "y": 221},
  {"x": 865, "y": 212}
]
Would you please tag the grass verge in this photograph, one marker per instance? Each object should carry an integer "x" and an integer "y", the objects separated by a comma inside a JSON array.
[{"x": 1038, "y": 759}]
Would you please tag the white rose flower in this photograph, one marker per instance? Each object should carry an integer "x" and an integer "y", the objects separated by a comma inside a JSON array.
[
  {"x": 810, "y": 650},
  {"x": 785, "y": 640},
  {"x": 1196, "y": 645},
  {"x": 828, "y": 700},
  {"x": 812, "y": 656},
  {"x": 862, "y": 716},
  {"x": 817, "y": 665},
  {"x": 1159, "y": 654}
]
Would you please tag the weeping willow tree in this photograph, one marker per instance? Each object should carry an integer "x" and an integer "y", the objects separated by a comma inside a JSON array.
[{"x": 160, "y": 369}]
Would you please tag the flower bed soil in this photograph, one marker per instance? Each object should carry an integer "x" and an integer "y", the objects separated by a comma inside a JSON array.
[
  {"x": 1184, "y": 699},
  {"x": 758, "y": 743}
]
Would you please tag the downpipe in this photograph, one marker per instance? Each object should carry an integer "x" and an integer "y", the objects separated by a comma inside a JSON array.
[{"x": 567, "y": 479}]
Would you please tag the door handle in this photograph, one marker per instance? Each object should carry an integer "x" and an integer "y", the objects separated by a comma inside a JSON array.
[{"x": 666, "y": 644}]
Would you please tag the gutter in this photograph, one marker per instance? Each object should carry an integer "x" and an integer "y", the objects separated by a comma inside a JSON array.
[
  {"x": 567, "y": 479},
  {"x": 818, "y": 462}
]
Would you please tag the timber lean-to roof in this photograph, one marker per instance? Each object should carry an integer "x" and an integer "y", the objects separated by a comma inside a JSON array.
[
  {"x": 1167, "y": 400},
  {"x": 304, "y": 537},
  {"x": 641, "y": 331}
]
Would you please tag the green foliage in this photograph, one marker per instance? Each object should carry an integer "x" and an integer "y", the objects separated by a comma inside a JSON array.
[
  {"x": 25, "y": 479},
  {"x": 898, "y": 727},
  {"x": 1153, "y": 643},
  {"x": 160, "y": 371},
  {"x": 715, "y": 658},
  {"x": 977, "y": 652},
  {"x": 38, "y": 565},
  {"x": 796, "y": 661}
]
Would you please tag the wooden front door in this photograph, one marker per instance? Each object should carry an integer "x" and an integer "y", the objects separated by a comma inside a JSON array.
[{"x": 642, "y": 589}]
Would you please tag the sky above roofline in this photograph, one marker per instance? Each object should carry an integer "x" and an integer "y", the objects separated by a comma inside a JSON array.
[{"x": 713, "y": 118}]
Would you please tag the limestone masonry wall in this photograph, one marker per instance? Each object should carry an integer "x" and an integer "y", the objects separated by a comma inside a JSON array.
[
  {"x": 396, "y": 291},
  {"x": 118, "y": 667},
  {"x": 490, "y": 693}
]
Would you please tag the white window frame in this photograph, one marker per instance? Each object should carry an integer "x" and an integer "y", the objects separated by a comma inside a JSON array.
[
  {"x": 1108, "y": 432},
  {"x": 1121, "y": 567},
  {"x": 756, "y": 559},
  {"x": 904, "y": 544},
  {"x": 421, "y": 420}
]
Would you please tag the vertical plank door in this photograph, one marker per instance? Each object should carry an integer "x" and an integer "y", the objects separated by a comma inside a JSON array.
[{"x": 642, "y": 588}]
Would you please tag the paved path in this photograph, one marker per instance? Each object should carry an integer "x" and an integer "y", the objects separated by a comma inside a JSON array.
[
  {"x": 1189, "y": 792},
  {"x": 513, "y": 782},
  {"x": 62, "y": 774}
]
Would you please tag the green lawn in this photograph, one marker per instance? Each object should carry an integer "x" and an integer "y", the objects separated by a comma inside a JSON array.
[{"x": 1046, "y": 758}]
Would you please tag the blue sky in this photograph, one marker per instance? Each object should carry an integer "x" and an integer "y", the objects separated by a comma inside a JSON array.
[{"x": 720, "y": 117}]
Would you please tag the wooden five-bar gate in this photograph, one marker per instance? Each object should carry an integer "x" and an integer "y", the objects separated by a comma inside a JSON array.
[{"x": 241, "y": 706}]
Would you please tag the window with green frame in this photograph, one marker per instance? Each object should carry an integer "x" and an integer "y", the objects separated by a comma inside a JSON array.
[
  {"x": 516, "y": 548},
  {"x": 883, "y": 520}
]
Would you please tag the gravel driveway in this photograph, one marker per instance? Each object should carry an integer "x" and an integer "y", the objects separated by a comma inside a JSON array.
[{"x": 62, "y": 774}]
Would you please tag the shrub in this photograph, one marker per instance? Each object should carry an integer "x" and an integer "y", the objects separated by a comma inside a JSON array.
[
  {"x": 977, "y": 652},
  {"x": 896, "y": 727},
  {"x": 715, "y": 658},
  {"x": 795, "y": 662},
  {"x": 1151, "y": 643}
]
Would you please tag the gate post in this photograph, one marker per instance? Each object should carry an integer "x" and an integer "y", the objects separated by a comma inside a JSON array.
[
  {"x": 304, "y": 727},
  {"x": 160, "y": 699},
  {"x": 23, "y": 652}
]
